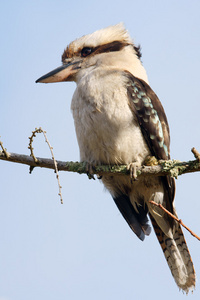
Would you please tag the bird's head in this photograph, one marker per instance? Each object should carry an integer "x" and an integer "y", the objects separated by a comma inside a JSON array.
[{"x": 110, "y": 47}]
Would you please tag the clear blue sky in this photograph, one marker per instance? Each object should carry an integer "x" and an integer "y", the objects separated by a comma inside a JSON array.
[{"x": 84, "y": 249}]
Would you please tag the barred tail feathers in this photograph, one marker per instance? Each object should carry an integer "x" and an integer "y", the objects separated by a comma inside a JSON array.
[{"x": 177, "y": 256}]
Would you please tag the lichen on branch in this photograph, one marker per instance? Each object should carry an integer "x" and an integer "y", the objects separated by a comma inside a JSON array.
[{"x": 173, "y": 168}]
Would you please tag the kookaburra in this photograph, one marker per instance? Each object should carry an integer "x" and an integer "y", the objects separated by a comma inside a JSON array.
[{"x": 120, "y": 120}]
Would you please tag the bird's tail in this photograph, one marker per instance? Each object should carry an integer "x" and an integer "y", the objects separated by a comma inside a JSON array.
[{"x": 177, "y": 256}]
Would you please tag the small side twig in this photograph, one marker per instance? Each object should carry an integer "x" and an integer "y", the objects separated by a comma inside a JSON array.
[
  {"x": 40, "y": 130},
  {"x": 30, "y": 145},
  {"x": 56, "y": 166},
  {"x": 4, "y": 150},
  {"x": 175, "y": 218},
  {"x": 196, "y": 154}
]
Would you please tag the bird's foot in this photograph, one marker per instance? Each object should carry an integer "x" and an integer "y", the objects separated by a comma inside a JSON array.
[
  {"x": 89, "y": 170},
  {"x": 132, "y": 167},
  {"x": 150, "y": 161}
]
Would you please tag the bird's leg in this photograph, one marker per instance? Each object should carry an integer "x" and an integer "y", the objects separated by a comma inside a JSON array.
[
  {"x": 132, "y": 167},
  {"x": 89, "y": 170}
]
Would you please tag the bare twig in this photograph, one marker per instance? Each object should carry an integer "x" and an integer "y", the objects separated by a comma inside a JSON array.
[
  {"x": 56, "y": 166},
  {"x": 36, "y": 160},
  {"x": 196, "y": 154},
  {"x": 175, "y": 218},
  {"x": 30, "y": 146},
  {"x": 4, "y": 150}
]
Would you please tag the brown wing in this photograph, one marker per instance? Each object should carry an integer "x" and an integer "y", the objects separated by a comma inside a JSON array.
[{"x": 154, "y": 126}]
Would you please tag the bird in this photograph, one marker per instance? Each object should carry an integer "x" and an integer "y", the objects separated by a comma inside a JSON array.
[{"x": 120, "y": 120}]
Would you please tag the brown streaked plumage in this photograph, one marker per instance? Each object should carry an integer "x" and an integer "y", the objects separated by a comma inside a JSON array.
[
  {"x": 169, "y": 247},
  {"x": 150, "y": 128}
]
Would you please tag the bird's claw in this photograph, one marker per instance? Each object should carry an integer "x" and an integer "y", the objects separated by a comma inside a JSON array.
[
  {"x": 150, "y": 161},
  {"x": 89, "y": 170},
  {"x": 132, "y": 167}
]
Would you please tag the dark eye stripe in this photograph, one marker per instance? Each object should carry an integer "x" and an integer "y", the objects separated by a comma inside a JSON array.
[{"x": 110, "y": 47}]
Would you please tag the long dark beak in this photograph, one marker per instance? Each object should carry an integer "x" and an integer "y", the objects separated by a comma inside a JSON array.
[{"x": 62, "y": 73}]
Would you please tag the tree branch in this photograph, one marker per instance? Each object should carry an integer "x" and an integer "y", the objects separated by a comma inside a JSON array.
[
  {"x": 152, "y": 166},
  {"x": 173, "y": 168}
]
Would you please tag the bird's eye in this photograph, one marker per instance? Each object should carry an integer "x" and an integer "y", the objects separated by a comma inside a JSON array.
[{"x": 86, "y": 51}]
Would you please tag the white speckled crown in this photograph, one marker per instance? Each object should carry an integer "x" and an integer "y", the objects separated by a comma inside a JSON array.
[{"x": 100, "y": 37}]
